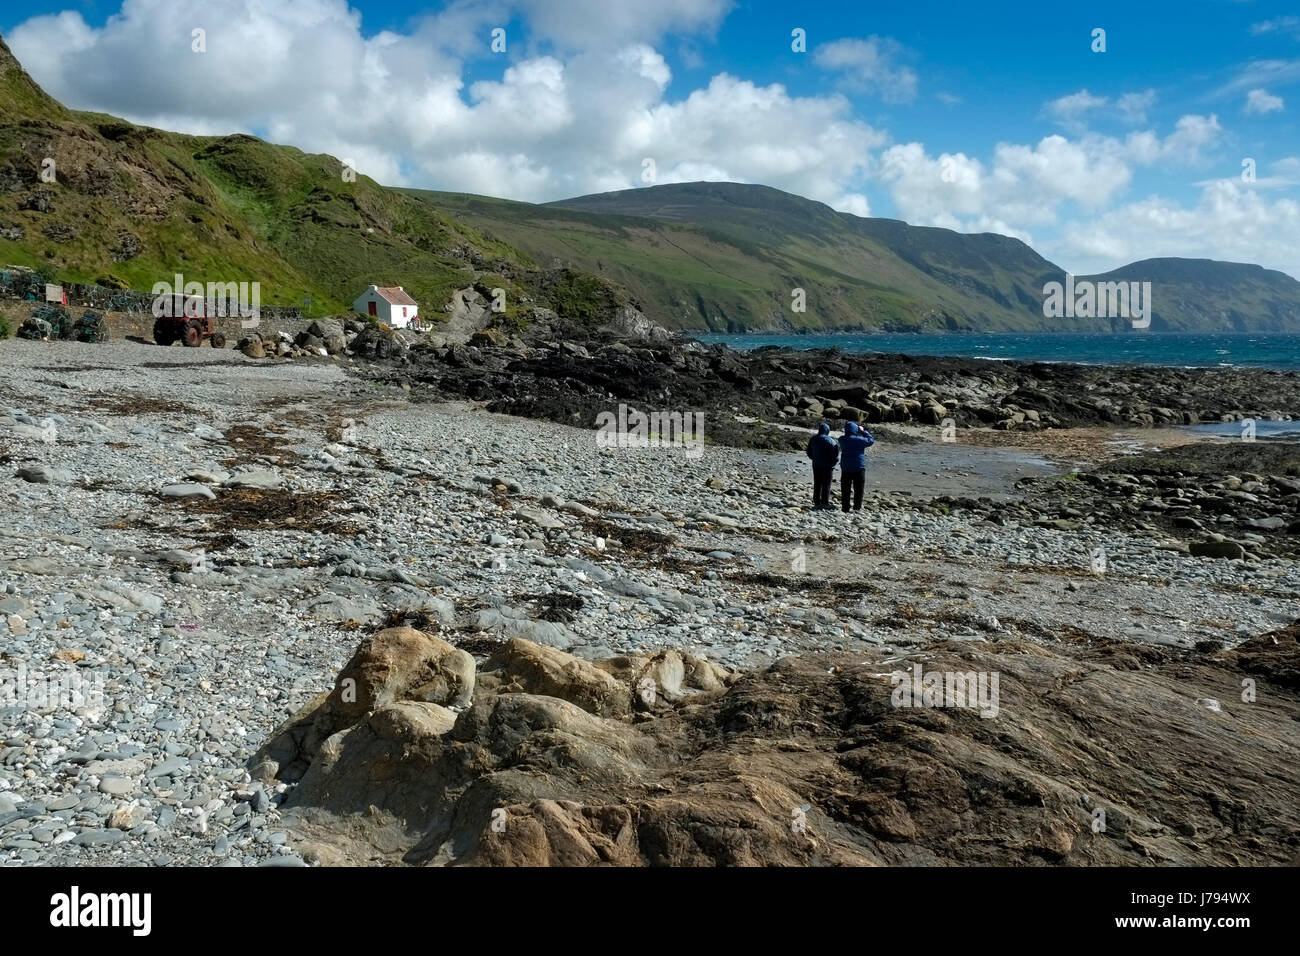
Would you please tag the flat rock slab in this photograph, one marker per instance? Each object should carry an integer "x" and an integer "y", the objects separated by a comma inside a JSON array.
[
  {"x": 123, "y": 597},
  {"x": 538, "y": 517},
  {"x": 117, "y": 786},
  {"x": 47, "y": 433},
  {"x": 513, "y": 623},
  {"x": 169, "y": 767},
  {"x": 260, "y": 479},
  {"x": 189, "y": 489},
  {"x": 208, "y": 476},
  {"x": 336, "y": 609},
  {"x": 39, "y": 566},
  {"x": 100, "y": 837},
  {"x": 44, "y": 475}
]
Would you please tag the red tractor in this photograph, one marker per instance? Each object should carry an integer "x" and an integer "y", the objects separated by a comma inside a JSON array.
[{"x": 184, "y": 318}]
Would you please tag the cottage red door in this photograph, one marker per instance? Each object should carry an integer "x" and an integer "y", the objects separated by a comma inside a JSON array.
[{"x": 372, "y": 308}]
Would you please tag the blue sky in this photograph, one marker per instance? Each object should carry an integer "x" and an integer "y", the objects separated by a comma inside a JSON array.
[{"x": 980, "y": 117}]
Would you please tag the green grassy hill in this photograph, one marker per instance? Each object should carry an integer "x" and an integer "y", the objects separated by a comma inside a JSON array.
[
  {"x": 139, "y": 205},
  {"x": 726, "y": 257}
]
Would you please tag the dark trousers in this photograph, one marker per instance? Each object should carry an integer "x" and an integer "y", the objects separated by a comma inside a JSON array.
[
  {"x": 853, "y": 481},
  {"x": 822, "y": 486}
]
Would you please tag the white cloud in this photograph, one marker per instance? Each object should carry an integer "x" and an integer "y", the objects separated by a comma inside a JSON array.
[
  {"x": 1282, "y": 174},
  {"x": 853, "y": 203},
  {"x": 1191, "y": 136},
  {"x": 945, "y": 190},
  {"x": 759, "y": 134},
  {"x": 534, "y": 127},
  {"x": 464, "y": 27},
  {"x": 1262, "y": 101},
  {"x": 603, "y": 23},
  {"x": 1090, "y": 173},
  {"x": 1033, "y": 186},
  {"x": 871, "y": 66},
  {"x": 1185, "y": 146},
  {"x": 1231, "y": 220},
  {"x": 529, "y": 104},
  {"x": 1133, "y": 106},
  {"x": 1261, "y": 73},
  {"x": 1070, "y": 110},
  {"x": 1285, "y": 172},
  {"x": 483, "y": 172},
  {"x": 1289, "y": 25},
  {"x": 648, "y": 64}
]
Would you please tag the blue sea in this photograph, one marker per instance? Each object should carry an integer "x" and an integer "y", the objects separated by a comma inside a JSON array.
[
  {"x": 1279, "y": 350},
  {"x": 1264, "y": 430}
]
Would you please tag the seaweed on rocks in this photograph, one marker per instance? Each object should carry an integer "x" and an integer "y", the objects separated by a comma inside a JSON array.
[
  {"x": 557, "y": 606},
  {"x": 248, "y": 509},
  {"x": 766, "y": 398}
]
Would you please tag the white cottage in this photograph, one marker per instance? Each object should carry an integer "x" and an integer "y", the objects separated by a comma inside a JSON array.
[{"x": 392, "y": 306}]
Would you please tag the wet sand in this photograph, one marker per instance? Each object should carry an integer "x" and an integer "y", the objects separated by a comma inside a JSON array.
[
  {"x": 928, "y": 469},
  {"x": 982, "y": 462}
]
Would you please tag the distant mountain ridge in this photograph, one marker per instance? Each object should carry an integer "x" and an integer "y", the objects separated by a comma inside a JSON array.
[
  {"x": 727, "y": 257},
  {"x": 1210, "y": 295}
]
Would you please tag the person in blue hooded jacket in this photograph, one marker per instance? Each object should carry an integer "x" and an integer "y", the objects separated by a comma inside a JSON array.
[
  {"x": 853, "y": 468},
  {"x": 824, "y": 452}
]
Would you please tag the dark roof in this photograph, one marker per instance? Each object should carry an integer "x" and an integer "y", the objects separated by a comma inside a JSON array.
[{"x": 396, "y": 296}]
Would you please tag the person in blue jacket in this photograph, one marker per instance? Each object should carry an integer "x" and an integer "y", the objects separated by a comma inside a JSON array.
[
  {"x": 824, "y": 452},
  {"x": 853, "y": 468}
]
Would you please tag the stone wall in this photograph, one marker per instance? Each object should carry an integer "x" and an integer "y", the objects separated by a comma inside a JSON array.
[
  {"x": 139, "y": 325},
  {"x": 127, "y": 314},
  {"x": 26, "y": 285}
]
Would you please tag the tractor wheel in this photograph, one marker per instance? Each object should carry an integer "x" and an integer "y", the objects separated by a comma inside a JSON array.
[
  {"x": 218, "y": 340},
  {"x": 193, "y": 334},
  {"x": 163, "y": 333}
]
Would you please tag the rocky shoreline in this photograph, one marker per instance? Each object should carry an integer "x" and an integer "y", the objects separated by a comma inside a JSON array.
[
  {"x": 222, "y": 541},
  {"x": 565, "y": 372},
  {"x": 801, "y": 387}
]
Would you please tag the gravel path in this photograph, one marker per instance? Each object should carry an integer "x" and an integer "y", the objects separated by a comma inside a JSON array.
[{"x": 206, "y": 538}]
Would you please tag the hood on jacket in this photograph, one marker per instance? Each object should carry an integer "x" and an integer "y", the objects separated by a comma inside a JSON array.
[
  {"x": 850, "y": 428},
  {"x": 823, "y": 429}
]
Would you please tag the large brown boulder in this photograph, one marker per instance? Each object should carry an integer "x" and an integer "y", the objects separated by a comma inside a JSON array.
[
  {"x": 671, "y": 674},
  {"x": 400, "y": 663},
  {"x": 521, "y": 666},
  {"x": 396, "y": 665}
]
